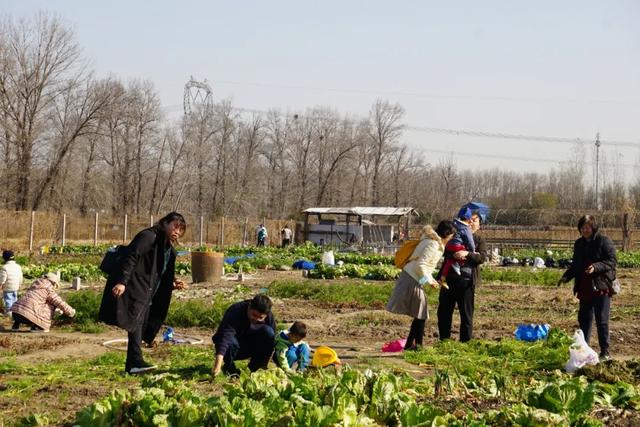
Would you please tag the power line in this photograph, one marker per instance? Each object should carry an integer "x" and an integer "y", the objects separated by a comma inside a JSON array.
[
  {"x": 519, "y": 158},
  {"x": 471, "y": 133},
  {"x": 421, "y": 95},
  {"x": 502, "y": 135}
]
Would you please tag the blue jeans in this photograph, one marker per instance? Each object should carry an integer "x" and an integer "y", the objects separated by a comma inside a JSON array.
[
  {"x": 9, "y": 298},
  {"x": 299, "y": 355}
]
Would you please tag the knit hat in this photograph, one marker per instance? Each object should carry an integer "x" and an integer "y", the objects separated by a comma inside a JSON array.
[
  {"x": 53, "y": 278},
  {"x": 467, "y": 211},
  {"x": 8, "y": 255}
]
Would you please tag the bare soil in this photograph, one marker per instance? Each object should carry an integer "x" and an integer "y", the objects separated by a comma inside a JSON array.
[{"x": 356, "y": 333}]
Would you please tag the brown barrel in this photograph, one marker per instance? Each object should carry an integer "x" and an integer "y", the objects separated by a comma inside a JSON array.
[{"x": 206, "y": 266}]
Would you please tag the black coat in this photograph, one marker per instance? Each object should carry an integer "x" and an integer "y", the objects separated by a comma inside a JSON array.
[
  {"x": 478, "y": 257},
  {"x": 139, "y": 272},
  {"x": 599, "y": 252},
  {"x": 235, "y": 324}
]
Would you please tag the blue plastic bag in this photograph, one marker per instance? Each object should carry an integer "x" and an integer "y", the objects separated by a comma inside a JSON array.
[
  {"x": 167, "y": 335},
  {"x": 531, "y": 332}
]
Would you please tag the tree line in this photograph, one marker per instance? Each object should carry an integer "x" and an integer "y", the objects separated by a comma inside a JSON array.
[{"x": 72, "y": 140}]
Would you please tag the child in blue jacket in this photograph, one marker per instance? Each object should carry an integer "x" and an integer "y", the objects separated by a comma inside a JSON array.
[{"x": 290, "y": 350}]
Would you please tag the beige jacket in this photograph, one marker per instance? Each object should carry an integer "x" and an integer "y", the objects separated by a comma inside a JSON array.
[
  {"x": 10, "y": 277},
  {"x": 39, "y": 303},
  {"x": 425, "y": 257}
]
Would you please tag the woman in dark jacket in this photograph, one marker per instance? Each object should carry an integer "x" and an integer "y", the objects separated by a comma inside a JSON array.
[
  {"x": 138, "y": 292},
  {"x": 593, "y": 270}
]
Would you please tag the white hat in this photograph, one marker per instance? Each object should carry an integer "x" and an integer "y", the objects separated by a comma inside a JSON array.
[{"x": 53, "y": 278}]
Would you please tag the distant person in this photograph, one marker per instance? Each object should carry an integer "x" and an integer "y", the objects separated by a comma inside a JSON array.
[
  {"x": 593, "y": 270},
  {"x": 262, "y": 235},
  {"x": 460, "y": 290},
  {"x": 408, "y": 296},
  {"x": 247, "y": 331},
  {"x": 290, "y": 351},
  {"x": 38, "y": 305},
  {"x": 10, "y": 280},
  {"x": 286, "y": 236},
  {"x": 137, "y": 295}
]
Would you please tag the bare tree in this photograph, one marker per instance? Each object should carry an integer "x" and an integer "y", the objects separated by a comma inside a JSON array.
[
  {"x": 385, "y": 131},
  {"x": 37, "y": 58}
]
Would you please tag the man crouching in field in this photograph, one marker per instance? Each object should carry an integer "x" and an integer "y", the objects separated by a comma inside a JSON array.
[{"x": 247, "y": 331}]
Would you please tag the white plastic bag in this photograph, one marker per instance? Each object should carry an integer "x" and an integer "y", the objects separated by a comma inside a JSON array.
[
  {"x": 328, "y": 258},
  {"x": 538, "y": 262},
  {"x": 580, "y": 354}
]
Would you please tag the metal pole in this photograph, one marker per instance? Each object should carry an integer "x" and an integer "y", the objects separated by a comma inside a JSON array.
[
  {"x": 201, "y": 230},
  {"x": 124, "y": 236},
  {"x": 597, "y": 170},
  {"x": 64, "y": 228},
  {"x": 95, "y": 231},
  {"x": 31, "y": 226}
]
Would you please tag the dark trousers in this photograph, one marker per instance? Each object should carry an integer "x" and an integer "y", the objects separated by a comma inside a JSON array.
[
  {"x": 600, "y": 307},
  {"x": 416, "y": 333},
  {"x": 256, "y": 346},
  {"x": 134, "y": 342},
  {"x": 19, "y": 319},
  {"x": 460, "y": 293}
]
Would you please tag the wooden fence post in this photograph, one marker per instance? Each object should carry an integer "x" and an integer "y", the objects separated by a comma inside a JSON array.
[
  {"x": 124, "y": 236},
  {"x": 31, "y": 227},
  {"x": 244, "y": 231},
  {"x": 64, "y": 228},
  {"x": 222, "y": 232},
  {"x": 626, "y": 233},
  {"x": 95, "y": 230}
]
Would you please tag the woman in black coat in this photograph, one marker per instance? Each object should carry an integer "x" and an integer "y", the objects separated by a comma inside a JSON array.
[
  {"x": 593, "y": 270},
  {"x": 138, "y": 292}
]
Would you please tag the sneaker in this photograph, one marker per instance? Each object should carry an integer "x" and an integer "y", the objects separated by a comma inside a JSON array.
[
  {"x": 604, "y": 356},
  {"x": 141, "y": 369}
]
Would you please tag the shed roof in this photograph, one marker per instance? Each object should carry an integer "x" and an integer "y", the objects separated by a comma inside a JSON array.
[{"x": 360, "y": 210}]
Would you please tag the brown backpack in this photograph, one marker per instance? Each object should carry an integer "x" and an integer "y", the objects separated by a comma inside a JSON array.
[{"x": 404, "y": 252}]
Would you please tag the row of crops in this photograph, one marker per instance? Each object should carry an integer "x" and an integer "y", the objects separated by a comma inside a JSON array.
[
  {"x": 516, "y": 384},
  {"x": 82, "y": 261}
]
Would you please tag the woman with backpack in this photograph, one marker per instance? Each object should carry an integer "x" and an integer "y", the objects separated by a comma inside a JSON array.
[
  {"x": 138, "y": 291},
  {"x": 409, "y": 296}
]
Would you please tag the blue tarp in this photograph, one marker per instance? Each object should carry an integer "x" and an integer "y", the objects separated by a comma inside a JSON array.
[
  {"x": 233, "y": 259},
  {"x": 303, "y": 264}
]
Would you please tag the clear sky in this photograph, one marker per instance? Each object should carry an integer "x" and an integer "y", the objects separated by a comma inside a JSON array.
[{"x": 551, "y": 68}]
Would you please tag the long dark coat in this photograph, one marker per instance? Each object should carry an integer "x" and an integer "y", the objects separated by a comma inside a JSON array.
[
  {"x": 599, "y": 252},
  {"x": 139, "y": 272}
]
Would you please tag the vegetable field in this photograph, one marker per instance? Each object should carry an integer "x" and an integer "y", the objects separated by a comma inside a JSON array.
[{"x": 67, "y": 377}]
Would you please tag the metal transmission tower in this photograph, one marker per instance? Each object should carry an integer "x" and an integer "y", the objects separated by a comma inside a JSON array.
[{"x": 197, "y": 96}]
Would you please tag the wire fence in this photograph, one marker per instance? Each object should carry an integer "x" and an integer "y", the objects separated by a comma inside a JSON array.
[{"x": 31, "y": 230}]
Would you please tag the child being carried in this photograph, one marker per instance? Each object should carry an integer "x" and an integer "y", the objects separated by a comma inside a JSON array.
[{"x": 461, "y": 241}]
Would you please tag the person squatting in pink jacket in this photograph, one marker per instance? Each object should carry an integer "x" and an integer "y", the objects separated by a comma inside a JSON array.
[{"x": 38, "y": 305}]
